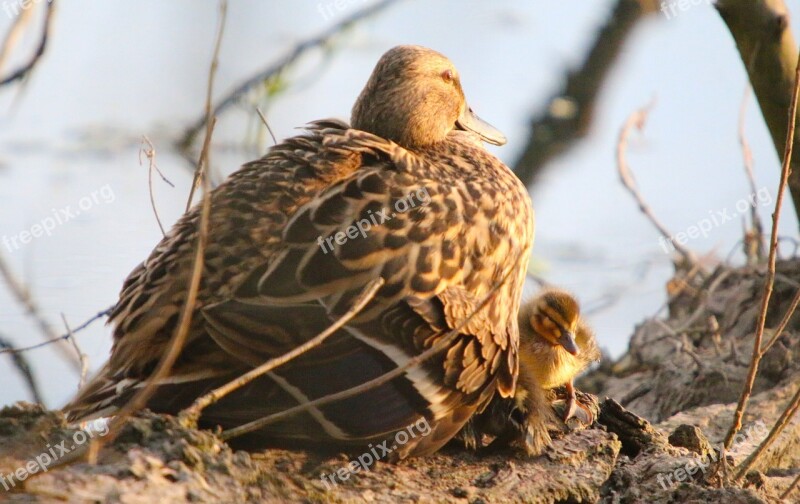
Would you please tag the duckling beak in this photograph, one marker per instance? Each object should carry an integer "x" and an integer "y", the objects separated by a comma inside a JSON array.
[
  {"x": 469, "y": 121},
  {"x": 567, "y": 340}
]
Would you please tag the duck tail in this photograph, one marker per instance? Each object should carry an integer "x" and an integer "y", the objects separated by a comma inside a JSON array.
[{"x": 98, "y": 398}]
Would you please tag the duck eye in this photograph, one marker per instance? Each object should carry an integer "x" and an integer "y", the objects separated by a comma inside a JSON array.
[{"x": 448, "y": 76}]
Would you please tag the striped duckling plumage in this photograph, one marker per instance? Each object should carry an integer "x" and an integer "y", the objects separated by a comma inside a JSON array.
[
  {"x": 447, "y": 222},
  {"x": 556, "y": 345}
]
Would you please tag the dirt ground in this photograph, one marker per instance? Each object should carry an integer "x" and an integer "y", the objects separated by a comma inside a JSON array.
[{"x": 665, "y": 407}]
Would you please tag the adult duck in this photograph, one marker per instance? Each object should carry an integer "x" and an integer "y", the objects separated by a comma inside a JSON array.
[{"x": 406, "y": 194}]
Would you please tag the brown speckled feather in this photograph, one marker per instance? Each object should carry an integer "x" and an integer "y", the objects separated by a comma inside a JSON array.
[{"x": 447, "y": 221}]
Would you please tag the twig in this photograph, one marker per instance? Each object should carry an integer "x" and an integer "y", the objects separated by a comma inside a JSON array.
[
  {"x": 754, "y": 239},
  {"x": 279, "y": 66},
  {"x": 765, "y": 41},
  {"x": 569, "y": 113},
  {"x": 193, "y": 412},
  {"x": 187, "y": 311},
  {"x": 793, "y": 485},
  {"x": 14, "y": 34},
  {"x": 21, "y": 363},
  {"x": 81, "y": 356},
  {"x": 784, "y": 322},
  {"x": 63, "y": 337},
  {"x": 637, "y": 120},
  {"x": 23, "y": 296},
  {"x": 210, "y": 115},
  {"x": 264, "y": 120},
  {"x": 770, "y": 280},
  {"x": 780, "y": 424},
  {"x": 150, "y": 153},
  {"x": 437, "y": 347},
  {"x": 23, "y": 71}
]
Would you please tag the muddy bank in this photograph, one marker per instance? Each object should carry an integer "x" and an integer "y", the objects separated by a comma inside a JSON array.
[{"x": 665, "y": 407}]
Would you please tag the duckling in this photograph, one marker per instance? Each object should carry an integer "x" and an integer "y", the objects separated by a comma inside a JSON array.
[
  {"x": 555, "y": 346},
  {"x": 407, "y": 194}
]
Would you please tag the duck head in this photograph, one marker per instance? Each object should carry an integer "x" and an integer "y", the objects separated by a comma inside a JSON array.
[
  {"x": 555, "y": 318},
  {"x": 414, "y": 98}
]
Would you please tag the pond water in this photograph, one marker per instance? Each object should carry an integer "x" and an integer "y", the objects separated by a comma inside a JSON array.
[{"x": 115, "y": 71}]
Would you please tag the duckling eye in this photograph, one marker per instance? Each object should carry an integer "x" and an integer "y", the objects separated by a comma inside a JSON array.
[{"x": 448, "y": 76}]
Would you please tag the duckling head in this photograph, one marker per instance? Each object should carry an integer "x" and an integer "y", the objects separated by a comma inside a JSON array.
[
  {"x": 555, "y": 318},
  {"x": 414, "y": 98}
]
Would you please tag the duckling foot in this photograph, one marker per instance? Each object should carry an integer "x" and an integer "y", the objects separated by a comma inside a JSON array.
[{"x": 571, "y": 406}]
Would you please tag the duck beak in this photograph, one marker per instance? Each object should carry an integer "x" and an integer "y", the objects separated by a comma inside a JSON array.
[
  {"x": 567, "y": 340},
  {"x": 469, "y": 121}
]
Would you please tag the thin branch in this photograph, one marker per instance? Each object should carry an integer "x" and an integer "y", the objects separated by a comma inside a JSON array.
[
  {"x": 150, "y": 154},
  {"x": 14, "y": 34},
  {"x": 793, "y": 485},
  {"x": 279, "y": 66},
  {"x": 81, "y": 356},
  {"x": 23, "y": 296},
  {"x": 203, "y": 163},
  {"x": 770, "y": 280},
  {"x": 780, "y": 424},
  {"x": 637, "y": 120},
  {"x": 754, "y": 239},
  {"x": 26, "y": 69},
  {"x": 784, "y": 322},
  {"x": 441, "y": 345},
  {"x": 63, "y": 337},
  {"x": 193, "y": 412},
  {"x": 569, "y": 113},
  {"x": 766, "y": 44},
  {"x": 264, "y": 120},
  {"x": 21, "y": 363},
  {"x": 187, "y": 311}
]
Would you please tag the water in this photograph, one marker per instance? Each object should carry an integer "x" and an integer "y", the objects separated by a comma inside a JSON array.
[{"x": 114, "y": 71}]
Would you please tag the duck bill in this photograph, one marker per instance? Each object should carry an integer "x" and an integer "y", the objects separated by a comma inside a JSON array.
[
  {"x": 567, "y": 340},
  {"x": 469, "y": 121}
]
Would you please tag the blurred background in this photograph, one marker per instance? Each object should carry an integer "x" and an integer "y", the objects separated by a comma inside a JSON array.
[{"x": 112, "y": 72}]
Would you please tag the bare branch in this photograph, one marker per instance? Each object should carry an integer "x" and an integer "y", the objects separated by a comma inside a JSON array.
[
  {"x": 569, "y": 114},
  {"x": 770, "y": 280},
  {"x": 23, "y": 296},
  {"x": 26, "y": 69},
  {"x": 81, "y": 356},
  {"x": 63, "y": 337},
  {"x": 279, "y": 66},
  {"x": 187, "y": 311},
  {"x": 788, "y": 491},
  {"x": 215, "y": 395},
  {"x": 264, "y": 120},
  {"x": 767, "y": 47},
  {"x": 780, "y": 424},
  {"x": 784, "y": 322},
  {"x": 754, "y": 237},
  {"x": 14, "y": 34},
  {"x": 21, "y": 363},
  {"x": 637, "y": 120},
  {"x": 442, "y": 344},
  {"x": 150, "y": 153}
]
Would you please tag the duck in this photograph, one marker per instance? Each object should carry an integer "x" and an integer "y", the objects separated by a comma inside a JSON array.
[
  {"x": 556, "y": 345},
  {"x": 406, "y": 195}
]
